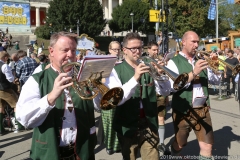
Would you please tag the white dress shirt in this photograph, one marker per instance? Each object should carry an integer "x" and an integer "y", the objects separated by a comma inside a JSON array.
[
  {"x": 197, "y": 88},
  {"x": 7, "y": 71},
  {"x": 38, "y": 69},
  {"x": 162, "y": 87}
]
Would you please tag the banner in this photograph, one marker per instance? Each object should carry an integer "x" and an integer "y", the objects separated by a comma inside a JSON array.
[
  {"x": 14, "y": 14},
  {"x": 212, "y": 10}
]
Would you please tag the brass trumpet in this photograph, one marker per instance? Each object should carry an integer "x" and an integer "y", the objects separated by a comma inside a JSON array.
[
  {"x": 179, "y": 81},
  {"x": 214, "y": 63},
  {"x": 90, "y": 88}
]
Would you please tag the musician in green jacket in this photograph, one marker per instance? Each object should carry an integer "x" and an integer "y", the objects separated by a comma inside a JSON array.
[
  {"x": 64, "y": 124},
  {"x": 191, "y": 104},
  {"x": 136, "y": 116}
]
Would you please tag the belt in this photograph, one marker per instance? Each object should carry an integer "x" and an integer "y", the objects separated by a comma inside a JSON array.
[
  {"x": 68, "y": 146},
  {"x": 196, "y": 81},
  {"x": 67, "y": 152}
]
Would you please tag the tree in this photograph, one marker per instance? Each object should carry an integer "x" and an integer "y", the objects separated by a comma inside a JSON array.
[
  {"x": 229, "y": 16},
  {"x": 64, "y": 14},
  {"x": 121, "y": 19},
  {"x": 191, "y": 15},
  {"x": 43, "y": 32}
]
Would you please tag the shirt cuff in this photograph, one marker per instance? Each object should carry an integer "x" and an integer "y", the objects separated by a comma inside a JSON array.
[
  {"x": 47, "y": 107},
  {"x": 133, "y": 83}
]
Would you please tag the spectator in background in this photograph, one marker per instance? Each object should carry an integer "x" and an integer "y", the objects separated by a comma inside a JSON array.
[
  {"x": 225, "y": 52},
  {"x": 228, "y": 74},
  {"x": 17, "y": 45},
  {"x": 43, "y": 59},
  {"x": 159, "y": 41},
  {"x": 25, "y": 67},
  {"x": 44, "y": 63},
  {"x": 3, "y": 47},
  {"x": 34, "y": 56},
  {"x": 35, "y": 47},
  {"x": 42, "y": 45},
  {"x": 238, "y": 53},
  {"x": 221, "y": 66},
  {"x": 7, "y": 94}
]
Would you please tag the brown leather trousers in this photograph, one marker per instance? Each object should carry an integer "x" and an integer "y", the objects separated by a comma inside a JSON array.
[{"x": 196, "y": 119}]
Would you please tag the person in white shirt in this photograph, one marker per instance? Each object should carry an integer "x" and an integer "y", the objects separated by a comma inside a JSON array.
[
  {"x": 191, "y": 104},
  {"x": 6, "y": 92}
]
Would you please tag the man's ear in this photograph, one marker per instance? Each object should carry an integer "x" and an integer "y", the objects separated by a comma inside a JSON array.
[
  {"x": 50, "y": 49},
  {"x": 124, "y": 51}
]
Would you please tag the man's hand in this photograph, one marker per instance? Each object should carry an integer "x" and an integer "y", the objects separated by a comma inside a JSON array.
[
  {"x": 61, "y": 82},
  {"x": 139, "y": 70},
  {"x": 200, "y": 65},
  {"x": 159, "y": 70}
]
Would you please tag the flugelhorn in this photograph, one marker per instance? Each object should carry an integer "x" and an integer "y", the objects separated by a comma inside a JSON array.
[
  {"x": 179, "y": 81},
  {"x": 90, "y": 88}
]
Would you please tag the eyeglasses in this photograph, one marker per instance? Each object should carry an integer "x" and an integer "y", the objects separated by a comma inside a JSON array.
[
  {"x": 133, "y": 50},
  {"x": 116, "y": 50}
]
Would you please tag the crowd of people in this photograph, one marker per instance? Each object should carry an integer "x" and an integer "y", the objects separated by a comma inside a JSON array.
[
  {"x": 6, "y": 41},
  {"x": 64, "y": 124}
]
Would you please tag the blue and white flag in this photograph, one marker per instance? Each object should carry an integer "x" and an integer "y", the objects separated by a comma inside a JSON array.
[{"x": 212, "y": 10}]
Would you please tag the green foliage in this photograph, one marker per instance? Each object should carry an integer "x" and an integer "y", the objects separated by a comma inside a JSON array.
[
  {"x": 190, "y": 15},
  {"x": 64, "y": 14},
  {"x": 43, "y": 32},
  {"x": 229, "y": 18},
  {"x": 236, "y": 21},
  {"x": 121, "y": 19}
]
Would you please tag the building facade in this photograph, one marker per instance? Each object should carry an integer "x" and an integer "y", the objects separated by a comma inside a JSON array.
[{"x": 35, "y": 14}]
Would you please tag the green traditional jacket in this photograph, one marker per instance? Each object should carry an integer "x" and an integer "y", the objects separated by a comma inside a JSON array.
[
  {"x": 127, "y": 115},
  {"x": 46, "y": 137},
  {"x": 182, "y": 100}
]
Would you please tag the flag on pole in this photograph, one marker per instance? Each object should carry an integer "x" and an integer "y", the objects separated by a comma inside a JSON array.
[{"x": 212, "y": 10}]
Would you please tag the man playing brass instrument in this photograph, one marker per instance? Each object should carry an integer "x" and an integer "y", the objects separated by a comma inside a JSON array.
[
  {"x": 64, "y": 124},
  {"x": 161, "y": 103},
  {"x": 191, "y": 104},
  {"x": 135, "y": 119}
]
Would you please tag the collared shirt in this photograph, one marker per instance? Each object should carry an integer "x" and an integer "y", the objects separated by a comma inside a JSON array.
[
  {"x": 33, "y": 110},
  {"x": 197, "y": 88},
  {"x": 7, "y": 71},
  {"x": 25, "y": 68},
  {"x": 162, "y": 87}
]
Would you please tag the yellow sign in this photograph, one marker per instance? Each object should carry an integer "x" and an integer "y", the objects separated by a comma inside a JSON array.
[
  {"x": 154, "y": 16},
  {"x": 13, "y": 14}
]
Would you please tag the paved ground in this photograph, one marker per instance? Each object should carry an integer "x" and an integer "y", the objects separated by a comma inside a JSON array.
[{"x": 225, "y": 117}]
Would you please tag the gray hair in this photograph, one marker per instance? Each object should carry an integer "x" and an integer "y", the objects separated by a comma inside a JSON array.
[{"x": 54, "y": 38}]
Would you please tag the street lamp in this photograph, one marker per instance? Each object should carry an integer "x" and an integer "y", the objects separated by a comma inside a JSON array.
[
  {"x": 131, "y": 14},
  {"x": 78, "y": 27}
]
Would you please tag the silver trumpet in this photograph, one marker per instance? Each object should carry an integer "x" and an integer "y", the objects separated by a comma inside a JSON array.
[{"x": 179, "y": 81}]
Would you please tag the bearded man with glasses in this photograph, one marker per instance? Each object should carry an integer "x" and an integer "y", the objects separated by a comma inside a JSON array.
[{"x": 136, "y": 116}]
